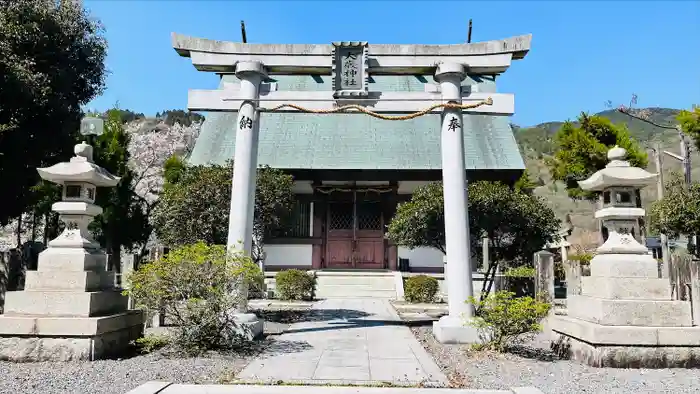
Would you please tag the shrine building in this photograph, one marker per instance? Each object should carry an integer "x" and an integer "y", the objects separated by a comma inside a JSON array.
[{"x": 351, "y": 169}]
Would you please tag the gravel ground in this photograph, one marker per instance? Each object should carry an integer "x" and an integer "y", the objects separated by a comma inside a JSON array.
[
  {"x": 121, "y": 376},
  {"x": 537, "y": 367}
]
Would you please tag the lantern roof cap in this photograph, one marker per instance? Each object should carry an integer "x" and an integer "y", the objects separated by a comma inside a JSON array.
[
  {"x": 80, "y": 168},
  {"x": 619, "y": 173}
]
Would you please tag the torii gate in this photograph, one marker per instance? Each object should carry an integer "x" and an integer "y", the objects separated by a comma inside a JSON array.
[{"x": 351, "y": 64}]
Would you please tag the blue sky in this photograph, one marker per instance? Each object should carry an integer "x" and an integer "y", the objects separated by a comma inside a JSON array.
[{"x": 583, "y": 53}]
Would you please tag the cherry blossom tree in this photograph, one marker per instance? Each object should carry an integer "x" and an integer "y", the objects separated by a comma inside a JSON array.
[{"x": 152, "y": 143}]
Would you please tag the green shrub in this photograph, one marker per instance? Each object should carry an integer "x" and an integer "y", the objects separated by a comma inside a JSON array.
[
  {"x": 520, "y": 272},
  {"x": 295, "y": 285},
  {"x": 151, "y": 343},
  {"x": 505, "y": 320},
  {"x": 420, "y": 288},
  {"x": 196, "y": 287},
  {"x": 584, "y": 258}
]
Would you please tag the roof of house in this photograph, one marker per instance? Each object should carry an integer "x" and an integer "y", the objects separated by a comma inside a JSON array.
[{"x": 357, "y": 141}]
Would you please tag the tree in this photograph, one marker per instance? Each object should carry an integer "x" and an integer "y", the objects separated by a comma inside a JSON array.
[
  {"x": 582, "y": 150},
  {"x": 123, "y": 222},
  {"x": 151, "y": 145},
  {"x": 525, "y": 183},
  {"x": 51, "y": 63},
  {"x": 679, "y": 211},
  {"x": 196, "y": 207},
  {"x": 518, "y": 224},
  {"x": 690, "y": 124},
  {"x": 170, "y": 117}
]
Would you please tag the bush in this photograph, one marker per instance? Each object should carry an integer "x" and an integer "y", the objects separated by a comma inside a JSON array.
[
  {"x": 504, "y": 320},
  {"x": 295, "y": 285},
  {"x": 520, "y": 272},
  {"x": 420, "y": 288},
  {"x": 196, "y": 286}
]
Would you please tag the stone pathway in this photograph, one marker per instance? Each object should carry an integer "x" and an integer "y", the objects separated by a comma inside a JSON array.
[{"x": 347, "y": 341}]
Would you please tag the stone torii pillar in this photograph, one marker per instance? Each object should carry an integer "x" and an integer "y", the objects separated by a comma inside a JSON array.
[
  {"x": 245, "y": 160},
  {"x": 245, "y": 163},
  {"x": 458, "y": 271}
]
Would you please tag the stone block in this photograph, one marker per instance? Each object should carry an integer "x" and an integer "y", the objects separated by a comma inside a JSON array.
[
  {"x": 68, "y": 326},
  {"x": 249, "y": 326},
  {"x": 452, "y": 330},
  {"x": 624, "y": 266},
  {"x": 85, "y": 348},
  {"x": 597, "y": 334},
  {"x": 71, "y": 259},
  {"x": 69, "y": 280},
  {"x": 573, "y": 277},
  {"x": 630, "y": 312},
  {"x": 150, "y": 388},
  {"x": 626, "y": 288},
  {"x": 64, "y": 303}
]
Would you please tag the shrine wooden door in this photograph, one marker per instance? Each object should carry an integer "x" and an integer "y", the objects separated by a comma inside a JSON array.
[
  {"x": 355, "y": 237},
  {"x": 339, "y": 241}
]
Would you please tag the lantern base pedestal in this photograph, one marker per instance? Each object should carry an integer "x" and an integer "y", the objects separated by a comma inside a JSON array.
[
  {"x": 625, "y": 346},
  {"x": 25, "y": 338},
  {"x": 72, "y": 260}
]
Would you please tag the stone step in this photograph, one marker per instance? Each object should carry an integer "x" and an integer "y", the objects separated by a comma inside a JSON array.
[
  {"x": 386, "y": 285},
  {"x": 351, "y": 273},
  {"x": 370, "y": 294},
  {"x": 354, "y": 280}
]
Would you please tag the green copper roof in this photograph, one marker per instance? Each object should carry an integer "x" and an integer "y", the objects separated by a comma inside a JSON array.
[{"x": 360, "y": 142}]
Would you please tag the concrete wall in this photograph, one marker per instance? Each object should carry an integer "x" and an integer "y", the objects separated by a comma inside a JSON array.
[
  {"x": 429, "y": 258},
  {"x": 288, "y": 255}
]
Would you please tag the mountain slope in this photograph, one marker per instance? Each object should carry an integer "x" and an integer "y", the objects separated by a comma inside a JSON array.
[{"x": 536, "y": 143}]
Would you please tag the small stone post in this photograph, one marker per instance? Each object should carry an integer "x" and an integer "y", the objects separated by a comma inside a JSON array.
[
  {"x": 485, "y": 242},
  {"x": 695, "y": 291},
  {"x": 573, "y": 277},
  {"x": 544, "y": 276}
]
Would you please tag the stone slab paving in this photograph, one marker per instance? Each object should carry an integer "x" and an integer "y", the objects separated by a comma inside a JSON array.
[
  {"x": 167, "y": 388},
  {"x": 347, "y": 341}
]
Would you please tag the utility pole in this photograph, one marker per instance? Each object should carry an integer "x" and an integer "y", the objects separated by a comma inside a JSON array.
[
  {"x": 685, "y": 155},
  {"x": 469, "y": 33},
  {"x": 665, "y": 252},
  {"x": 243, "y": 35}
]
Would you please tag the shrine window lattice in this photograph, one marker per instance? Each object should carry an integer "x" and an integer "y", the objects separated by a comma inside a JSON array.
[
  {"x": 366, "y": 216},
  {"x": 297, "y": 224}
]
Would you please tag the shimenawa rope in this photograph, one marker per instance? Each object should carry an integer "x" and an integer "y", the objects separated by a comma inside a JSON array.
[{"x": 359, "y": 108}]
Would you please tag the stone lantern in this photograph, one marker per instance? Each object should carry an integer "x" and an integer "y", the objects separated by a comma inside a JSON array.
[
  {"x": 70, "y": 308},
  {"x": 79, "y": 177},
  {"x": 619, "y": 183},
  {"x": 624, "y": 315}
]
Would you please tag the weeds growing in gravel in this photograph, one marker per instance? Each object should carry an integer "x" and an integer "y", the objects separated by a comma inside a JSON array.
[{"x": 151, "y": 343}]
